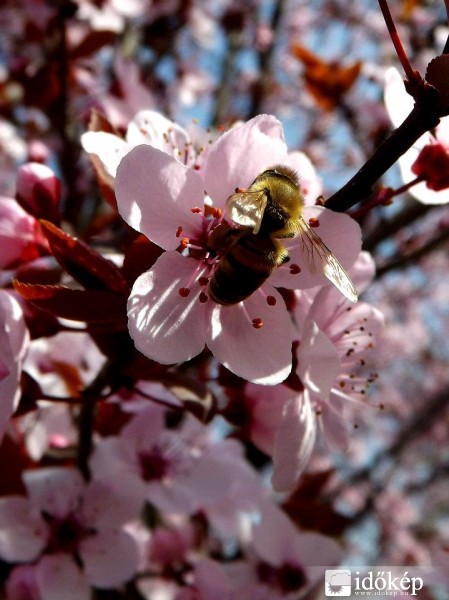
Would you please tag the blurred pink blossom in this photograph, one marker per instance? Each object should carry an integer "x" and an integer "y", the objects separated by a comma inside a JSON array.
[
  {"x": 14, "y": 339},
  {"x": 65, "y": 523},
  {"x": 180, "y": 471}
]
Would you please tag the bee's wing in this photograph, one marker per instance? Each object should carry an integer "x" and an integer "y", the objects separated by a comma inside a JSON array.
[
  {"x": 331, "y": 266},
  {"x": 247, "y": 208}
]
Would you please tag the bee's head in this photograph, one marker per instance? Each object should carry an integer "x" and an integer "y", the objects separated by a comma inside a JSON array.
[{"x": 284, "y": 197}]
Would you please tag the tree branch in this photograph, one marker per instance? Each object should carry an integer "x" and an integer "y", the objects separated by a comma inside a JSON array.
[{"x": 424, "y": 116}]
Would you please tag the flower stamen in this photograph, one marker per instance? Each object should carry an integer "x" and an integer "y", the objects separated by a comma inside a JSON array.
[
  {"x": 294, "y": 269},
  {"x": 257, "y": 323}
]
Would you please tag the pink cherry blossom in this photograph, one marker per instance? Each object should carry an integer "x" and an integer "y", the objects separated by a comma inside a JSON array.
[
  {"x": 65, "y": 522},
  {"x": 22, "y": 584},
  {"x": 171, "y": 317},
  {"x": 14, "y": 339},
  {"x": 179, "y": 471},
  {"x": 64, "y": 363},
  {"x": 282, "y": 561},
  {"x": 146, "y": 127},
  {"x": 399, "y": 104},
  {"x": 336, "y": 339}
]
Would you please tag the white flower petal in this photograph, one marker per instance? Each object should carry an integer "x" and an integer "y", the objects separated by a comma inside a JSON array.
[
  {"x": 294, "y": 442},
  {"x": 59, "y": 578},
  {"x": 109, "y": 148},
  {"x": 155, "y": 195},
  {"x": 23, "y": 532},
  {"x": 241, "y": 154},
  {"x": 261, "y": 355},
  {"x": 318, "y": 361},
  {"x": 55, "y": 490},
  {"x": 110, "y": 558},
  {"x": 164, "y": 325},
  {"x": 110, "y": 504}
]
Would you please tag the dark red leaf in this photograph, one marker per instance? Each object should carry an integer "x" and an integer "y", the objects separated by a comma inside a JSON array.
[
  {"x": 307, "y": 509},
  {"x": 92, "y": 42},
  {"x": 13, "y": 461},
  {"x": 437, "y": 74},
  {"x": 82, "y": 262},
  {"x": 91, "y": 306}
]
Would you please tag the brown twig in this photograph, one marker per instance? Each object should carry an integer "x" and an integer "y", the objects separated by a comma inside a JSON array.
[{"x": 424, "y": 116}]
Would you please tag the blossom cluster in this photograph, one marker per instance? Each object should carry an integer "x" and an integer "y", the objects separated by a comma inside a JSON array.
[
  {"x": 213, "y": 386},
  {"x": 302, "y": 366}
]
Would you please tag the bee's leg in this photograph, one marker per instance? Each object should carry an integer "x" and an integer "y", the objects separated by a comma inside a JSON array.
[
  {"x": 283, "y": 234},
  {"x": 282, "y": 257}
]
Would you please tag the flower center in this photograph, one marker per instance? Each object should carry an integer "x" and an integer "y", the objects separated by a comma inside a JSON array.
[
  {"x": 287, "y": 578},
  {"x": 65, "y": 533},
  {"x": 153, "y": 465}
]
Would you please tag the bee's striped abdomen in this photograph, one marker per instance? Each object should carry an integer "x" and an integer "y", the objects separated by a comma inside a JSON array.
[{"x": 243, "y": 269}]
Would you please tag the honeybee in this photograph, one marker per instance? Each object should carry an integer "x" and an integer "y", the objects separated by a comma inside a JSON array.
[{"x": 269, "y": 211}]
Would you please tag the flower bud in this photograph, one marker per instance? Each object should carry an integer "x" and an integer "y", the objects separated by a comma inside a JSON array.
[
  {"x": 432, "y": 165},
  {"x": 38, "y": 191}
]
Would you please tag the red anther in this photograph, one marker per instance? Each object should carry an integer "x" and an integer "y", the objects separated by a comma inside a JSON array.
[
  {"x": 203, "y": 297},
  {"x": 184, "y": 292},
  {"x": 217, "y": 212},
  {"x": 271, "y": 300},
  {"x": 257, "y": 323},
  {"x": 203, "y": 281},
  {"x": 196, "y": 209},
  {"x": 184, "y": 242},
  {"x": 239, "y": 190},
  {"x": 314, "y": 222},
  {"x": 295, "y": 269},
  {"x": 179, "y": 231},
  {"x": 196, "y": 167}
]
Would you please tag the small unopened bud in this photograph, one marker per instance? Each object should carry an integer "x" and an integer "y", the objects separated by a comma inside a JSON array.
[
  {"x": 38, "y": 191},
  {"x": 432, "y": 165}
]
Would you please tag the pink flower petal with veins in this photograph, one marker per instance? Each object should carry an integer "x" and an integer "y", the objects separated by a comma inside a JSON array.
[
  {"x": 14, "y": 339},
  {"x": 241, "y": 154},
  {"x": 108, "y": 147},
  {"x": 23, "y": 532},
  {"x": 164, "y": 325},
  {"x": 150, "y": 127},
  {"x": 294, "y": 442},
  {"x": 110, "y": 558},
  {"x": 155, "y": 194},
  {"x": 260, "y": 355},
  {"x": 318, "y": 361},
  {"x": 59, "y": 577},
  {"x": 55, "y": 490}
]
